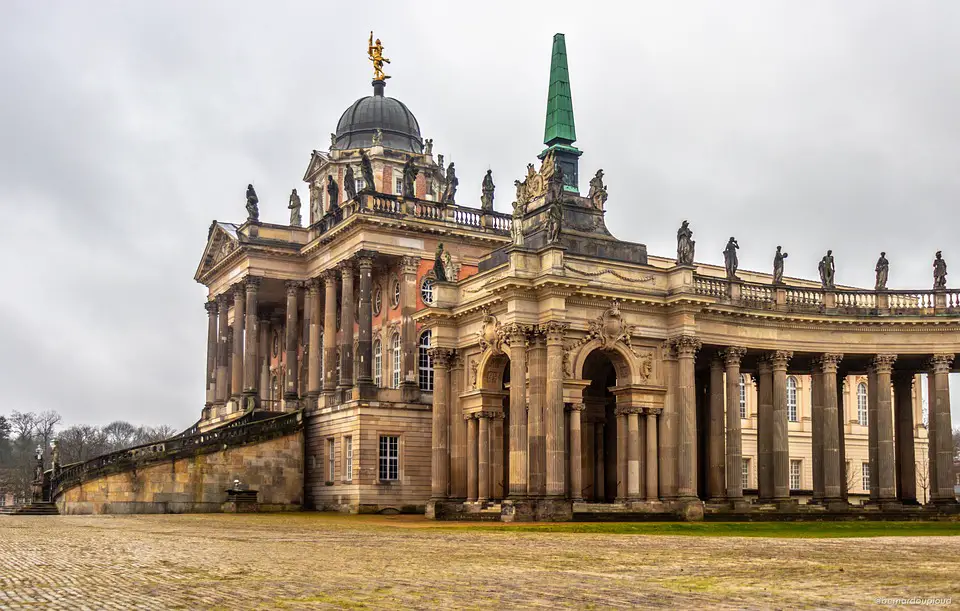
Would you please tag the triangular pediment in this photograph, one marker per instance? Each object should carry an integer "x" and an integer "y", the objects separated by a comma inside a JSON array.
[
  {"x": 318, "y": 160},
  {"x": 222, "y": 241}
]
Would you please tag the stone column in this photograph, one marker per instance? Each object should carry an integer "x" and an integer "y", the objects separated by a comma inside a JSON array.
[
  {"x": 816, "y": 437},
  {"x": 365, "y": 331},
  {"x": 440, "y": 472},
  {"x": 330, "y": 333},
  {"x": 633, "y": 455},
  {"x": 841, "y": 436},
  {"x": 236, "y": 374},
  {"x": 651, "y": 463},
  {"x": 599, "y": 485},
  {"x": 458, "y": 432},
  {"x": 622, "y": 435},
  {"x": 408, "y": 328},
  {"x": 715, "y": 453},
  {"x": 223, "y": 373},
  {"x": 781, "y": 442},
  {"x": 576, "y": 455},
  {"x": 944, "y": 428},
  {"x": 290, "y": 390},
  {"x": 536, "y": 446},
  {"x": 304, "y": 339},
  {"x": 834, "y": 469},
  {"x": 211, "y": 378},
  {"x": 264, "y": 359},
  {"x": 668, "y": 425},
  {"x": 516, "y": 337},
  {"x": 932, "y": 480},
  {"x": 686, "y": 347},
  {"x": 483, "y": 458},
  {"x": 496, "y": 456},
  {"x": 472, "y": 457},
  {"x": 346, "y": 325},
  {"x": 734, "y": 455},
  {"x": 882, "y": 477},
  {"x": 553, "y": 411},
  {"x": 906, "y": 459},
  {"x": 314, "y": 374},
  {"x": 251, "y": 336},
  {"x": 765, "y": 430}
]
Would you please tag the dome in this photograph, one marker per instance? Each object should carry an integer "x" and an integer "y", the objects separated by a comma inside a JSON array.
[{"x": 360, "y": 122}]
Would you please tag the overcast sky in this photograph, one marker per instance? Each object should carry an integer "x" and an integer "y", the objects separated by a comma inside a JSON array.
[{"x": 127, "y": 127}]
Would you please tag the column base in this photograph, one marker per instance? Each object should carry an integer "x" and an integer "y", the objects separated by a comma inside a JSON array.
[
  {"x": 836, "y": 505},
  {"x": 364, "y": 391},
  {"x": 410, "y": 392},
  {"x": 739, "y": 504},
  {"x": 689, "y": 510},
  {"x": 536, "y": 510}
]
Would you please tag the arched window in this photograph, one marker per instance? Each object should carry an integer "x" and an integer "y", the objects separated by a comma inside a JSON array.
[
  {"x": 862, "y": 403},
  {"x": 377, "y": 363},
  {"x": 426, "y": 290},
  {"x": 743, "y": 396},
  {"x": 792, "y": 399},
  {"x": 425, "y": 363},
  {"x": 396, "y": 356},
  {"x": 321, "y": 356}
]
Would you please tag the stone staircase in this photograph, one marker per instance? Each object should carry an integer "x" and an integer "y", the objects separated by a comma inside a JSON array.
[{"x": 30, "y": 509}]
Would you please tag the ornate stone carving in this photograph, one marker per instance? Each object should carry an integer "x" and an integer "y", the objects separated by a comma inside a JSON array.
[
  {"x": 489, "y": 336},
  {"x": 828, "y": 362},
  {"x": 626, "y": 410},
  {"x": 939, "y": 272},
  {"x": 576, "y": 407},
  {"x": 940, "y": 363},
  {"x": 410, "y": 172},
  {"x": 252, "y": 283},
  {"x": 653, "y": 411},
  {"x": 733, "y": 355},
  {"x": 883, "y": 363},
  {"x": 474, "y": 367},
  {"x": 610, "y": 327},
  {"x": 428, "y": 147},
  {"x": 377, "y": 139},
  {"x": 883, "y": 270},
  {"x": 779, "y": 359},
  {"x": 441, "y": 356},
  {"x": 293, "y": 286},
  {"x": 515, "y": 334},
  {"x": 225, "y": 249},
  {"x": 555, "y": 331},
  {"x": 211, "y": 306},
  {"x": 685, "y": 244},
  {"x": 366, "y": 170},
  {"x": 598, "y": 191},
  {"x": 686, "y": 345},
  {"x": 644, "y": 365}
]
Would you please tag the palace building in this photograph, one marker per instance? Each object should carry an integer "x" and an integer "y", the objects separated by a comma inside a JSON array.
[{"x": 407, "y": 348}]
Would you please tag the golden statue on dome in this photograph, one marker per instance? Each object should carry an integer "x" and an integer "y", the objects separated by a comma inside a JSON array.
[{"x": 375, "y": 53}]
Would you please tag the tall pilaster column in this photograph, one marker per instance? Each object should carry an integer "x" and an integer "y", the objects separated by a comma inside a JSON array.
[
  {"x": 669, "y": 425},
  {"x": 236, "y": 377},
  {"x": 483, "y": 458},
  {"x": 458, "y": 432},
  {"x": 944, "y": 429},
  {"x": 303, "y": 388},
  {"x": 882, "y": 478},
  {"x": 263, "y": 358},
  {"x": 211, "y": 377},
  {"x": 223, "y": 372},
  {"x": 553, "y": 411},
  {"x": 330, "y": 333},
  {"x": 290, "y": 390},
  {"x": 651, "y": 462},
  {"x": 734, "y": 455},
  {"x": 903, "y": 412},
  {"x": 834, "y": 469},
  {"x": 536, "y": 439},
  {"x": 473, "y": 490},
  {"x": 765, "y": 430},
  {"x": 516, "y": 337},
  {"x": 408, "y": 328},
  {"x": 599, "y": 483},
  {"x": 781, "y": 441},
  {"x": 576, "y": 452},
  {"x": 440, "y": 443},
  {"x": 633, "y": 454},
  {"x": 816, "y": 437},
  {"x": 496, "y": 456},
  {"x": 715, "y": 452},
  {"x": 686, "y": 347},
  {"x": 841, "y": 435},
  {"x": 347, "y": 315},
  {"x": 251, "y": 373},
  {"x": 314, "y": 374},
  {"x": 365, "y": 330},
  {"x": 932, "y": 433},
  {"x": 622, "y": 435}
]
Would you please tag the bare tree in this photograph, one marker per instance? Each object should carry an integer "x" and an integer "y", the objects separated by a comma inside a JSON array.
[
  {"x": 22, "y": 424},
  {"x": 923, "y": 477},
  {"x": 120, "y": 434},
  {"x": 851, "y": 477}
]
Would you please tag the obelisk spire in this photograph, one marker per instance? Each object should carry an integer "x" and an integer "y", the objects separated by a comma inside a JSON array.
[{"x": 559, "y": 128}]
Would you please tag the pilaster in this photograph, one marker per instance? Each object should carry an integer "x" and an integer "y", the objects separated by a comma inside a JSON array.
[{"x": 734, "y": 436}]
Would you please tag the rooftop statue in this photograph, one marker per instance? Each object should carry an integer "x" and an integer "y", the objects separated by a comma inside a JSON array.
[
  {"x": 882, "y": 269},
  {"x": 333, "y": 140},
  {"x": 730, "y": 260},
  {"x": 519, "y": 210},
  {"x": 451, "y": 183},
  {"x": 438, "y": 269},
  {"x": 487, "y": 188},
  {"x": 350, "y": 183},
  {"x": 554, "y": 222},
  {"x": 375, "y": 53},
  {"x": 294, "y": 207},
  {"x": 316, "y": 202},
  {"x": 366, "y": 168},
  {"x": 598, "y": 191},
  {"x": 449, "y": 267},
  {"x": 778, "y": 266},
  {"x": 827, "y": 270},
  {"x": 333, "y": 192},
  {"x": 555, "y": 185},
  {"x": 428, "y": 147},
  {"x": 378, "y": 137},
  {"x": 685, "y": 244},
  {"x": 410, "y": 172},
  {"x": 253, "y": 212},
  {"x": 939, "y": 272}
]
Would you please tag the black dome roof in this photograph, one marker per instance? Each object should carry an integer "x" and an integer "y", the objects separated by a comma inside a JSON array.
[{"x": 363, "y": 118}]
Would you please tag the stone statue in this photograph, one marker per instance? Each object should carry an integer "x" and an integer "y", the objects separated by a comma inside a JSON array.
[
  {"x": 487, "y": 187},
  {"x": 410, "y": 172},
  {"x": 519, "y": 210},
  {"x": 449, "y": 267},
  {"x": 685, "y": 244},
  {"x": 333, "y": 140},
  {"x": 554, "y": 222},
  {"x": 294, "y": 207},
  {"x": 316, "y": 202},
  {"x": 827, "y": 270},
  {"x": 939, "y": 272},
  {"x": 253, "y": 212},
  {"x": 378, "y": 137},
  {"x": 55, "y": 455},
  {"x": 333, "y": 193},
  {"x": 730, "y": 260},
  {"x": 38, "y": 469},
  {"x": 882, "y": 269},
  {"x": 598, "y": 192},
  {"x": 440, "y": 160},
  {"x": 521, "y": 201},
  {"x": 350, "y": 183},
  {"x": 451, "y": 183},
  {"x": 428, "y": 147},
  {"x": 366, "y": 168},
  {"x": 438, "y": 270},
  {"x": 375, "y": 53},
  {"x": 555, "y": 185},
  {"x": 778, "y": 266}
]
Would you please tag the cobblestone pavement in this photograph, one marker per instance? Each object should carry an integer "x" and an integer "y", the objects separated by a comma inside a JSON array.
[{"x": 309, "y": 561}]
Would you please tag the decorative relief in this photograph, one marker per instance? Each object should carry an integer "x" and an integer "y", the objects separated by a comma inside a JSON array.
[
  {"x": 226, "y": 247},
  {"x": 828, "y": 362},
  {"x": 639, "y": 279},
  {"x": 686, "y": 345},
  {"x": 441, "y": 356},
  {"x": 733, "y": 355},
  {"x": 490, "y": 334},
  {"x": 474, "y": 366},
  {"x": 645, "y": 365}
]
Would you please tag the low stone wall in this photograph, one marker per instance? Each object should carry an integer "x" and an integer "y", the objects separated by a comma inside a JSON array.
[{"x": 265, "y": 456}]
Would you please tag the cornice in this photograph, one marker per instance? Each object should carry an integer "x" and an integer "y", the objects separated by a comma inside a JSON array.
[{"x": 789, "y": 321}]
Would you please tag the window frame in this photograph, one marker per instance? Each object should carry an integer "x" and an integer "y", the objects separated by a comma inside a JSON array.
[
  {"x": 865, "y": 476},
  {"x": 793, "y": 407},
  {"x": 745, "y": 473},
  {"x": 425, "y": 362},
  {"x": 331, "y": 459},
  {"x": 347, "y": 451},
  {"x": 863, "y": 405},
  {"x": 798, "y": 474},
  {"x": 398, "y": 184},
  {"x": 743, "y": 397},
  {"x": 377, "y": 300},
  {"x": 395, "y": 294},
  {"x": 428, "y": 293},
  {"x": 396, "y": 356},
  {"x": 392, "y": 445},
  {"x": 377, "y": 362}
]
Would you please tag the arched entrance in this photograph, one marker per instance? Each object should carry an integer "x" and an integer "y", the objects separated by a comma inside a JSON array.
[{"x": 599, "y": 429}]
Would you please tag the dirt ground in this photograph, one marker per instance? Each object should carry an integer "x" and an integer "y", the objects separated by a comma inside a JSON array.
[{"x": 311, "y": 561}]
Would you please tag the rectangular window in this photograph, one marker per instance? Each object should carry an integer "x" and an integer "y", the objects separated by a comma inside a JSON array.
[
  {"x": 399, "y": 183},
  {"x": 396, "y": 357},
  {"x": 794, "y": 475},
  {"x": 743, "y": 397},
  {"x": 348, "y": 459},
  {"x": 378, "y": 364},
  {"x": 389, "y": 457},
  {"x": 331, "y": 462},
  {"x": 865, "y": 476},
  {"x": 745, "y": 474}
]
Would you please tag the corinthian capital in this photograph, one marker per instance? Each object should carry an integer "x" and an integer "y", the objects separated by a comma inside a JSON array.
[
  {"x": 211, "y": 306},
  {"x": 733, "y": 355},
  {"x": 828, "y": 362},
  {"x": 940, "y": 363},
  {"x": 293, "y": 286},
  {"x": 686, "y": 345},
  {"x": 515, "y": 334},
  {"x": 883, "y": 363},
  {"x": 779, "y": 359},
  {"x": 252, "y": 283},
  {"x": 441, "y": 356},
  {"x": 555, "y": 331}
]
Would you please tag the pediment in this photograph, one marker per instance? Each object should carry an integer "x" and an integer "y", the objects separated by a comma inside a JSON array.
[
  {"x": 317, "y": 161},
  {"x": 222, "y": 241}
]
